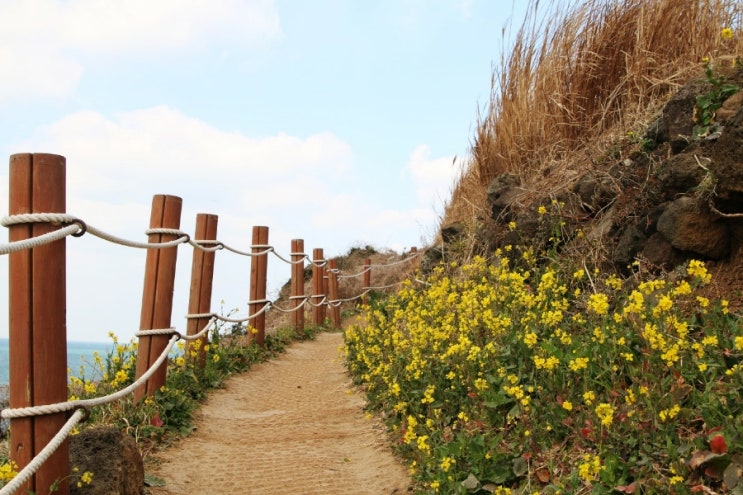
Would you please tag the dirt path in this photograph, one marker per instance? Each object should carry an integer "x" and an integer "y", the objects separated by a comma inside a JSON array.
[{"x": 290, "y": 425}]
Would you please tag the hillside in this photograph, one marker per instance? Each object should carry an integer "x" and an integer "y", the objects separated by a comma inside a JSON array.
[{"x": 614, "y": 141}]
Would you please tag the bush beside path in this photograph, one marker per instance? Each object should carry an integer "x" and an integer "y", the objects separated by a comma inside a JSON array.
[{"x": 294, "y": 424}]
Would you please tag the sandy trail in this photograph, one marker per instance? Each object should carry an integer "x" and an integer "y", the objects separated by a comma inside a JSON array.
[{"x": 294, "y": 424}]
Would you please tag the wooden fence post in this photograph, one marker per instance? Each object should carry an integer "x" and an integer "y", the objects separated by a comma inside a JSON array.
[
  {"x": 202, "y": 278},
  {"x": 258, "y": 274},
  {"x": 334, "y": 308},
  {"x": 37, "y": 326},
  {"x": 318, "y": 290},
  {"x": 157, "y": 295},
  {"x": 367, "y": 280},
  {"x": 297, "y": 285}
]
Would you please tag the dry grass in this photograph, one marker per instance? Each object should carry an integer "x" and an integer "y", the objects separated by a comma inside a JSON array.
[{"x": 576, "y": 79}]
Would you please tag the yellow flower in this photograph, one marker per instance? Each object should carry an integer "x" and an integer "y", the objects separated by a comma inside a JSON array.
[
  {"x": 542, "y": 210},
  {"x": 697, "y": 269},
  {"x": 578, "y": 364},
  {"x": 511, "y": 225},
  {"x": 614, "y": 282},
  {"x": 446, "y": 463},
  {"x": 667, "y": 414},
  {"x": 567, "y": 405},
  {"x": 589, "y": 397},
  {"x": 726, "y": 33},
  {"x": 605, "y": 412},
  {"x": 598, "y": 303},
  {"x": 590, "y": 467}
]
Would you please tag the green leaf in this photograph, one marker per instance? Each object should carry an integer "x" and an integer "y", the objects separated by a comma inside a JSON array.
[
  {"x": 152, "y": 480},
  {"x": 471, "y": 483},
  {"x": 520, "y": 466}
]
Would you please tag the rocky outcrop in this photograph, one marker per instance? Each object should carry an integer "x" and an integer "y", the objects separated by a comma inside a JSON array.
[{"x": 673, "y": 195}]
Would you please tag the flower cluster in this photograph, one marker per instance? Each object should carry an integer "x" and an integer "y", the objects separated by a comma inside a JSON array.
[{"x": 487, "y": 366}]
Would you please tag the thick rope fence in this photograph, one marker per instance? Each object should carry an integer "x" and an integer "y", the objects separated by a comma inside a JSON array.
[{"x": 40, "y": 414}]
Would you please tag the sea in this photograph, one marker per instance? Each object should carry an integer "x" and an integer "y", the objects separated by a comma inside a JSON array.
[{"x": 79, "y": 354}]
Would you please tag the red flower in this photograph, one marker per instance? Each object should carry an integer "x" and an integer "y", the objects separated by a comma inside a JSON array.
[{"x": 718, "y": 445}]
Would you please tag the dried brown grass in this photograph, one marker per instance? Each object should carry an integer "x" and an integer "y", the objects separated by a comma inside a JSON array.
[{"x": 577, "y": 79}]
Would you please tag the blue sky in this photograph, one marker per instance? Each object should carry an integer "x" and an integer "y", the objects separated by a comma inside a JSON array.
[{"x": 332, "y": 121}]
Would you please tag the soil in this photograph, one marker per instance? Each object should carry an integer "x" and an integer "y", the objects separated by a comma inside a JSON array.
[{"x": 295, "y": 424}]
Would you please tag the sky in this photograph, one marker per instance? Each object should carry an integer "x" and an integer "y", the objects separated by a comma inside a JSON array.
[{"x": 340, "y": 122}]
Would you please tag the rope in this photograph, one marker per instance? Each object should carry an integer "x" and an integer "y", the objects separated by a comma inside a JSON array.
[
  {"x": 302, "y": 260},
  {"x": 365, "y": 270},
  {"x": 295, "y": 308},
  {"x": 141, "y": 245},
  {"x": 33, "y": 466},
  {"x": 35, "y": 242}
]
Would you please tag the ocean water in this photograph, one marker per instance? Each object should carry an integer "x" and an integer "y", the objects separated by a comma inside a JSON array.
[{"x": 78, "y": 354}]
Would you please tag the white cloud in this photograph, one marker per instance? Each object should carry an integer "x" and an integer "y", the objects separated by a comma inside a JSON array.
[
  {"x": 433, "y": 178},
  {"x": 42, "y": 40},
  {"x": 160, "y": 148},
  {"x": 301, "y": 187}
]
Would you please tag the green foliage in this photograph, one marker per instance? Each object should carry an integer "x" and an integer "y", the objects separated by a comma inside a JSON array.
[
  {"x": 708, "y": 103},
  {"x": 542, "y": 380}
]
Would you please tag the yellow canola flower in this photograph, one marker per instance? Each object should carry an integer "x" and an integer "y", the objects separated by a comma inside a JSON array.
[
  {"x": 605, "y": 412},
  {"x": 726, "y": 33},
  {"x": 598, "y": 303},
  {"x": 590, "y": 467},
  {"x": 698, "y": 270},
  {"x": 668, "y": 414},
  {"x": 578, "y": 364}
]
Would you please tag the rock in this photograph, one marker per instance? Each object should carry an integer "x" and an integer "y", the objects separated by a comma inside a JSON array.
[
  {"x": 595, "y": 190},
  {"x": 630, "y": 243},
  {"x": 432, "y": 257},
  {"x": 677, "y": 122},
  {"x": 502, "y": 192},
  {"x": 112, "y": 457},
  {"x": 689, "y": 226},
  {"x": 726, "y": 166},
  {"x": 729, "y": 108},
  {"x": 659, "y": 252},
  {"x": 679, "y": 174},
  {"x": 452, "y": 232}
]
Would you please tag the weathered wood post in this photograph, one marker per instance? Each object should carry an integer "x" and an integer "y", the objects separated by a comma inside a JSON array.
[
  {"x": 297, "y": 285},
  {"x": 334, "y": 307},
  {"x": 367, "y": 280},
  {"x": 202, "y": 278},
  {"x": 37, "y": 320},
  {"x": 318, "y": 290},
  {"x": 157, "y": 295},
  {"x": 258, "y": 274}
]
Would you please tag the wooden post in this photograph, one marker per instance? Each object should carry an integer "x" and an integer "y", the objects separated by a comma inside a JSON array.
[
  {"x": 297, "y": 285},
  {"x": 318, "y": 292},
  {"x": 334, "y": 309},
  {"x": 202, "y": 278},
  {"x": 157, "y": 296},
  {"x": 258, "y": 274},
  {"x": 367, "y": 280},
  {"x": 37, "y": 319}
]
